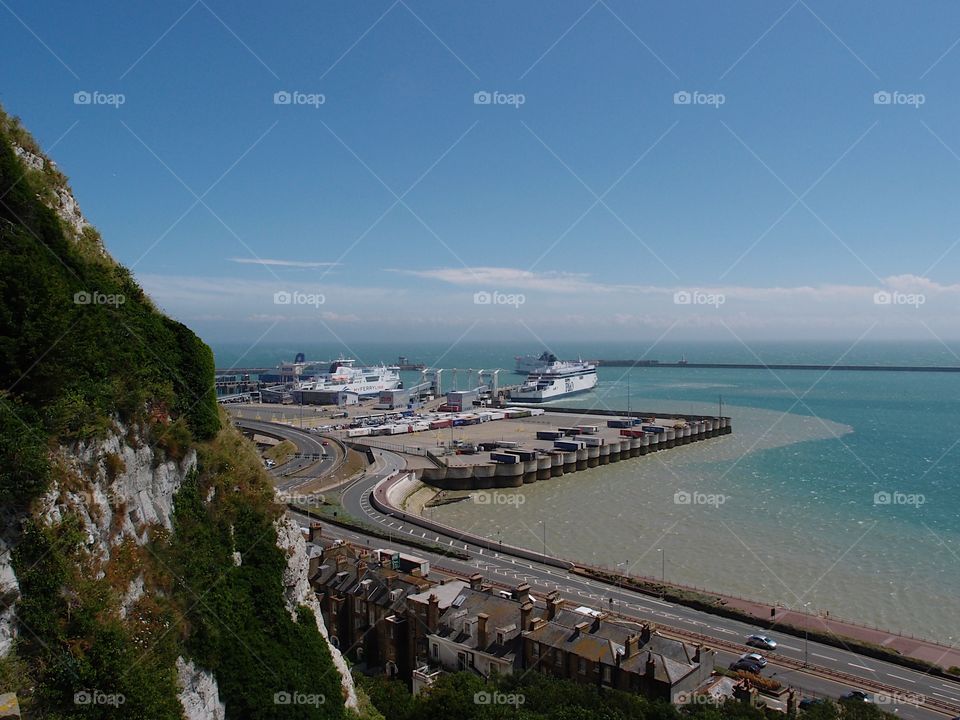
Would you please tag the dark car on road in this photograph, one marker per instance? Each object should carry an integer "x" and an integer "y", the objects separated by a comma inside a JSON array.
[
  {"x": 746, "y": 666},
  {"x": 856, "y": 696}
]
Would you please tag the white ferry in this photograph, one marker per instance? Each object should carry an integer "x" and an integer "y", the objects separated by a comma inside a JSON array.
[
  {"x": 556, "y": 380},
  {"x": 342, "y": 376}
]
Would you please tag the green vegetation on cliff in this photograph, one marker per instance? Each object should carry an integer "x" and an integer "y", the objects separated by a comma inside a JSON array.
[
  {"x": 79, "y": 341},
  {"x": 85, "y": 354}
]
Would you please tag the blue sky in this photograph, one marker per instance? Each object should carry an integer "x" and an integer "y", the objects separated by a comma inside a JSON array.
[{"x": 783, "y": 201}]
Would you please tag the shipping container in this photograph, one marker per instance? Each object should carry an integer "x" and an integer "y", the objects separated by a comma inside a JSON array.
[
  {"x": 619, "y": 423},
  {"x": 505, "y": 458},
  {"x": 507, "y": 444},
  {"x": 438, "y": 424},
  {"x": 632, "y": 433},
  {"x": 590, "y": 440},
  {"x": 568, "y": 445},
  {"x": 654, "y": 428},
  {"x": 525, "y": 455},
  {"x": 588, "y": 429},
  {"x": 549, "y": 434}
]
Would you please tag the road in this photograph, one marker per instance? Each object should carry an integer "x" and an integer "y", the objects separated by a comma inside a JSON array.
[
  {"x": 906, "y": 692},
  {"x": 297, "y": 472}
]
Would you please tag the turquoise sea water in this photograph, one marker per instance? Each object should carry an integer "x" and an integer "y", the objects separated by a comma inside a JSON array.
[{"x": 804, "y": 478}]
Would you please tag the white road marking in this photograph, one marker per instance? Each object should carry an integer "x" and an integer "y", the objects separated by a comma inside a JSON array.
[
  {"x": 862, "y": 667},
  {"x": 825, "y": 657},
  {"x": 900, "y": 677},
  {"x": 949, "y": 697},
  {"x": 790, "y": 647}
]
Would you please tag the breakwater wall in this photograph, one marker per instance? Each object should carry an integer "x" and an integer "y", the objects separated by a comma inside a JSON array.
[{"x": 780, "y": 366}]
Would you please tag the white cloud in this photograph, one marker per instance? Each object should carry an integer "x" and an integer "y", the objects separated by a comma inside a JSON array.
[{"x": 271, "y": 262}]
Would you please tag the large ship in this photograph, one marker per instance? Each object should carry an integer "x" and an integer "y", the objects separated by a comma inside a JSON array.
[
  {"x": 526, "y": 364},
  {"x": 555, "y": 380},
  {"x": 342, "y": 376}
]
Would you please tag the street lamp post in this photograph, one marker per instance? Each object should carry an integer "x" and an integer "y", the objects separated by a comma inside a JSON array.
[
  {"x": 806, "y": 633},
  {"x": 620, "y": 576},
  {"x": 544, "y": 540}
]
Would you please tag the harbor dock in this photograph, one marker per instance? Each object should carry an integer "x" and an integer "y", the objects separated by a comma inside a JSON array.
[{"x": 533, "y": 445}]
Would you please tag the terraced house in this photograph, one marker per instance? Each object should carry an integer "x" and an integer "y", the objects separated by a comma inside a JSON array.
[{"x": 406, "y": 625}]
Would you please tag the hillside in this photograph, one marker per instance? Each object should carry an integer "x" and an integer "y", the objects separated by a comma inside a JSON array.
[{"x": 145, "y": 570}]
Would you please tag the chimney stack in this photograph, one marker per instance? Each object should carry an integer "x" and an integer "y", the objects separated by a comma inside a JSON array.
[
  {"x": 651, "y": 666},
  {"x": 476, "y": 581},
  {"x": 482, "y": 630},
  {"x": 523, "y": 593},
  {"x": 316, "y": 530},
  {"x": 433, "y": 612},
  {"x": 645, "y": 634},
  {"x": 526, "y": 612},
  {"x": 579, "y": 628},
  {"x": 554, "y": 605},
  {"x": 630, "y": 645}
]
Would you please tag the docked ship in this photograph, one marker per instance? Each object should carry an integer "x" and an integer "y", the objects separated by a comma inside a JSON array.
[
  {"x": 342, "y": 376},
  {"x": 555, "y": 380},
  {"x": 526, "y": 364}
]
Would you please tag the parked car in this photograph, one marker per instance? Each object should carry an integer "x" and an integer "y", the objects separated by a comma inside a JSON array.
[
  {"x": 856, "y": 696},
  {"x": 756, "y": 658},
  {"x": 746, "y": 666},
  {"x": 324, "y": 443},
  {"x": 762, "y": 641}
]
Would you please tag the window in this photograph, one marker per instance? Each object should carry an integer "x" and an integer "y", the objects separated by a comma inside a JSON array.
[
  {"x": 435, "y": 649},
  {"x": 535, "y": 650},
  {"x": 461, "y": 661},
  {"x": 558, "y": 657},
  {"x": 606, "y": 674},
  {"x": 582, "y": 666}
]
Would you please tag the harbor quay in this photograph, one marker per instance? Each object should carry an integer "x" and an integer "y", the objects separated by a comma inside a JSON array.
[{"x": 528, "y": 445}]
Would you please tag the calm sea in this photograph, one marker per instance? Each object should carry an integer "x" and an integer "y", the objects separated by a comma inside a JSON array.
[{"x": 838, "y": 491}]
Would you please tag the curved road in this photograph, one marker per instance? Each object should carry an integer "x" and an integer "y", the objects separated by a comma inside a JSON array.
[
  {"x": 905, "y": 692},
  {"x": 297, "y": 471}
]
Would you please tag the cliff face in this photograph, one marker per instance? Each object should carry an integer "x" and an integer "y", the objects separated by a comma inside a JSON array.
[{"x": 125, "y": 497}]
